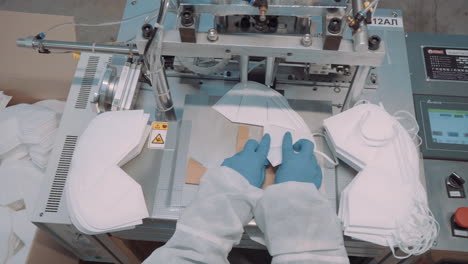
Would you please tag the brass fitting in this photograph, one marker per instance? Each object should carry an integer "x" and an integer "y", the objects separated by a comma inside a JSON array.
[{"x": 263, "y": 11}]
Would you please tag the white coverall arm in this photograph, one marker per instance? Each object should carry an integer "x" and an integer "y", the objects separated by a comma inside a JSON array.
[
  {"x": 299, "y": 225},
  {"x": 213, "y": 223}
]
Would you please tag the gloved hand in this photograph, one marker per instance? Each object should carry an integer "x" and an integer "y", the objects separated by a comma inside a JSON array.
[
  {"x": 299, "y": 163},
  {"x": 251, "y": 161}
]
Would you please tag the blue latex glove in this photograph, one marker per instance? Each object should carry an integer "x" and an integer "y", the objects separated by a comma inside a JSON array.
[
  {"x": 299, "y": 163},
  {"x": 251, "y": 161}
]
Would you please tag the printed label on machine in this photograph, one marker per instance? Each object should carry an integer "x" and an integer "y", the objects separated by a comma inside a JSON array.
[
  {"x": 387, "y": 22},
  {"x": 448, "y": 64},
  {"x": 157, "y": 138}
]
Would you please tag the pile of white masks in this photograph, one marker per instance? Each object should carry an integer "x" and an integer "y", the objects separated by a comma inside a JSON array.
[
  {"x": 100, "y": 196},
  {"x": 26, "y": 138},
  {"x": 20, "y": 181},
  {"x": 386, "y": 203},
  {"x": 256, "y": 104},
  {"x": 29, "y": 130}
]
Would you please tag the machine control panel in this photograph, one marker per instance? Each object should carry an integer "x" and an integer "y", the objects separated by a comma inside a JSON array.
[
  {"x": 446, "y": 189},
  {"x": 439, "y": 80}
]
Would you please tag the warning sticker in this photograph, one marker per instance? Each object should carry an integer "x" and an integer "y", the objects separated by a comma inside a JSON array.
[
  {"x": 157, "y": 138},
  {"x": 159, "y": 126}
]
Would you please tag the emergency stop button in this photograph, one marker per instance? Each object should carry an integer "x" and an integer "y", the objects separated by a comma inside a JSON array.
[{"x": 461, "y": 217}]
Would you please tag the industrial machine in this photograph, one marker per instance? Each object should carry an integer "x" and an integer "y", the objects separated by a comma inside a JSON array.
[{"x": 323, "y": 55}]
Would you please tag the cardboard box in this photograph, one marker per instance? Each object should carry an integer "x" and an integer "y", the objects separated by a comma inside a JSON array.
[{"x": 24, "y": 73}]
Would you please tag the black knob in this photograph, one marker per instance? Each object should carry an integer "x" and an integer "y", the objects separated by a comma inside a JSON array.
[
  {"x": 374, "y": 42},
  {"x": 187, "y": 18},
  {"x": 147, "y": 31},
  {"x": 334, "y": 26},
  {"x": 455, "y": 180}
]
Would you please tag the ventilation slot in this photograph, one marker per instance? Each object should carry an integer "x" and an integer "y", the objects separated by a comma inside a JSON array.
[
  {"x": 58, "y": 185},
  {"x": 87, "y": 82}
]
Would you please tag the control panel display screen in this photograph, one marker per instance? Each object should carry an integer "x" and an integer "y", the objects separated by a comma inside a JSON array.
[
  {"x": 449, "y": 126},
  {"x": 443, "y": 123}
]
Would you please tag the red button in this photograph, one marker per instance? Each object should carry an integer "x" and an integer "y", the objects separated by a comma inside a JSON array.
[{"x": 461, "y": 217}]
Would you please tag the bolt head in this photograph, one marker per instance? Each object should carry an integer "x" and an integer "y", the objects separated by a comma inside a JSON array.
[
  {"x": 394, "y": 14},
  {"x": 306, "y": 40},
  {"x": 95, "y": 98},
  {"x": 212, "y": 35}
]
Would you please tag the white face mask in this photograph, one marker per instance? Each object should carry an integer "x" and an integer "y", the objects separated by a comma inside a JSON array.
[
  {"x": 385, "y": 204},
  {"x": 101, "y": 197}
]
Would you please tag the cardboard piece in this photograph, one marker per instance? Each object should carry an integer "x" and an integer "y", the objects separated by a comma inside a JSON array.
[
  {"x": 45, "y": 249},
  {"x": 195, "y": 171},
  {"x": 24, "y": 73},
  {"x": 242, "y": 137},
  {"x": 269, "y": 176}
]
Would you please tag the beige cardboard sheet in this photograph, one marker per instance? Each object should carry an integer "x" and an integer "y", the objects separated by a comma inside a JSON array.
[
  {"x": 25, "y": 74},
  {"x": 195, "y": 170}
]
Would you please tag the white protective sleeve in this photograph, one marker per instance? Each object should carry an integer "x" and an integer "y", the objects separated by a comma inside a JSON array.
[
  {"x": 299, "y": 225},
  {"x": 213, "y": 223}
]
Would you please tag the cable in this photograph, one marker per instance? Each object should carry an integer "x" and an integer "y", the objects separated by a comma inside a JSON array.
[
  {"x": 255, "y": 65},
  {"x": 55, "y": 27},
  {"x": 375, "y": 8},
  {"x": 333, "y": 161},
  {"x": 121, "y": 42},
  {"x": 61, "y": 52},
  {"x": 370, "y": 6}
]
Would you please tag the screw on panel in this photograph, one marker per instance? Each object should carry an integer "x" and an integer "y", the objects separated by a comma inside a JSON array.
[
  {"x": 134, "y": 2},
  {"x": 394, "y": 14},
  {"x": 373, "y": 78},
  {"x": 374, "y": 42},
  {"x": 306, "y": 40},
  {"x": 212, "y": 35}
]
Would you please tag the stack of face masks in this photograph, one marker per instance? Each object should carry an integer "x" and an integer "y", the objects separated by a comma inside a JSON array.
[
  {"x": 101, "y": 197},
  {"x": 386, "y": 203},
  {"x": 28, "y": 129}
]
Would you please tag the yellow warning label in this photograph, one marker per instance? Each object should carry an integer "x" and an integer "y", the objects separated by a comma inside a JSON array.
[
  {"x": 160, "y": 126},
  {"x": 158, "y": 140}
]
